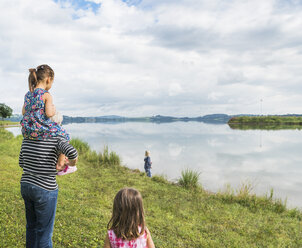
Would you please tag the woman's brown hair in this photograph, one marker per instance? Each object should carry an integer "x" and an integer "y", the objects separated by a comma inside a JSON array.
[
  {"x": 39, "y": 74},
  {"x": 128, "y": 214}
]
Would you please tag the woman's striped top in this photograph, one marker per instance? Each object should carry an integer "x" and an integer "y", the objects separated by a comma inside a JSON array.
[{"x": 38, "y": 158}]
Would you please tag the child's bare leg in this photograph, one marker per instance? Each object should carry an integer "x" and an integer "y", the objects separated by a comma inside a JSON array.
[{"x": 61, "y": 162}]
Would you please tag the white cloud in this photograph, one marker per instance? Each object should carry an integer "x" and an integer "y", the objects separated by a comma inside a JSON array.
[{"x": 183, "y": 58}]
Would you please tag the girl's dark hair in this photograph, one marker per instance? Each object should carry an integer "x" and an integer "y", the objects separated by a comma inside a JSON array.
[
  {"x": 127, "y": 215},
  {"x": 39, "y": 74}
]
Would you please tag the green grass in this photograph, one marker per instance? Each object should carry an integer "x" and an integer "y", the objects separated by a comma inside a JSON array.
[
  {"x": 177, "y": 217},
  {"x": 189, "y": 179},
  {"x": 269, "y": 122}
]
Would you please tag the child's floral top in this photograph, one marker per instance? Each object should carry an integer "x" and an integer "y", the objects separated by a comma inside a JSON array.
[
  {"x": 35, "y": 124},
  {"x": 140, "y": 242}
]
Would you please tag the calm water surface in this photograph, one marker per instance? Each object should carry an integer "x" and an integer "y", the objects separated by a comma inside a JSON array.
[{"x": 267, "y": 159}]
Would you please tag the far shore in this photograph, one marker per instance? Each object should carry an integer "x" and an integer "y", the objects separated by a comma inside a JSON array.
[
  {"x": 269, "y": 122},
  {"x": 4, "y": 123}
]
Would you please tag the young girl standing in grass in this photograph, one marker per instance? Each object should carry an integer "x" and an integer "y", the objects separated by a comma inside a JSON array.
[
  {"x": 38, "y": 109},
  {"x": 126, "y": 227}
]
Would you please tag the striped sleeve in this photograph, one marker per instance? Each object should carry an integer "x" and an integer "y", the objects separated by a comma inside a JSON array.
[{"x": 67, "y": 149}]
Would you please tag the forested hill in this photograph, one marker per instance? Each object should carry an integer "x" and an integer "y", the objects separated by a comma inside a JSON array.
[{"x": 214, "y": 118}]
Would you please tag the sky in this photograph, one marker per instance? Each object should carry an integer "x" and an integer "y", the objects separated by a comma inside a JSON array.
[{"x": 149, "y": 57}]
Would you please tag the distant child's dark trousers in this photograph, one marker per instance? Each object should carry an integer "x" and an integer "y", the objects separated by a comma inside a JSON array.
[{"x": 148, "y": 172}]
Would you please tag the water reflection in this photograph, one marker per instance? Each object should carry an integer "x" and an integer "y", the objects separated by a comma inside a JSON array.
[{"x": 268, "y": 159}]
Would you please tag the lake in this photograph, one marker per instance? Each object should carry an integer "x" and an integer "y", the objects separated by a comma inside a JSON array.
[{"x": 267, "y": 159}]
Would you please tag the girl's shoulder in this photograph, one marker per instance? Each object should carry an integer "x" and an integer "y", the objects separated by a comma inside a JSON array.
[{"x": 41, "y": 94}]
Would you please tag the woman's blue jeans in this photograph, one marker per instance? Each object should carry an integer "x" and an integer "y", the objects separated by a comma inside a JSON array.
[{"x": 40, "y": 208}]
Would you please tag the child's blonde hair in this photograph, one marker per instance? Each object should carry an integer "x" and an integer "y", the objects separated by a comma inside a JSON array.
[
  {"x": 147, "y": 153},
  {"x": 127, "y": 215}
]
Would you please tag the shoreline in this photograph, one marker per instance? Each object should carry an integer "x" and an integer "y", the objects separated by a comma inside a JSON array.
[
  {"x": 257, "y": 191},
  {"x": 9, "y": 123}
]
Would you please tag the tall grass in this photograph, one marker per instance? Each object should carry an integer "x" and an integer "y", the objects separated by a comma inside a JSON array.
[
  {"x": 245, "y": 190},
  {"x": 109, "y": 158},
  {"x": 102, "y": 158},
  {"x": 81, "y": 146},
  {"x": 244, "y": 196},
  {"x": 189, "y": 178}
]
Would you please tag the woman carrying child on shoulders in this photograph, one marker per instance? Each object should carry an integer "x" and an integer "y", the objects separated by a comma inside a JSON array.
[{"x": 44, "y": 142}]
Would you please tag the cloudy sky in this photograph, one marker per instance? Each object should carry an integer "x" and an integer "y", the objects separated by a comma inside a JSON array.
[{"x": 148, "y": 57}]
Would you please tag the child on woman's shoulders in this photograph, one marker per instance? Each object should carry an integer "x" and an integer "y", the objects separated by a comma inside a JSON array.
[{"x": 38, "y": 109}]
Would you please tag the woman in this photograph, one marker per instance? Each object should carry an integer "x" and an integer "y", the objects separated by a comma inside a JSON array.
[{"x": 39, "y": 188}]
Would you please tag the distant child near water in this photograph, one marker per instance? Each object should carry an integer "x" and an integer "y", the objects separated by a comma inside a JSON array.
[
  {"x": 38, "y": 108},
  {"x": 126, "y": 227},
  {"x": 148, "y": 163}
]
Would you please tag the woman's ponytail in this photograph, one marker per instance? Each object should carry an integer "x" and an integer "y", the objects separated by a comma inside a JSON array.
[{"x": 32, "y": 79}]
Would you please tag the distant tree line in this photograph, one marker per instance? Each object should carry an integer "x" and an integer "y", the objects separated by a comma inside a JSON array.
[{"x": 5, "y": 111}]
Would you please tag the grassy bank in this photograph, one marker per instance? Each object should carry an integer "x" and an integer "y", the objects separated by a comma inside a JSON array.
[
  {"x": 176, "y": 216},
  {"x": 266, "y": 122}
]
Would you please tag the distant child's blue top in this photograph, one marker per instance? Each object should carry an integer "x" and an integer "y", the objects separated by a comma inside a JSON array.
[
  {"x": 147, "y": 162},
  {"x": 35, "y": 124}
]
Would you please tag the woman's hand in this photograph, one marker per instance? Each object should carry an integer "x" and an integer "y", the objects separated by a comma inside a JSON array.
[{"x": 60, "y": 167}]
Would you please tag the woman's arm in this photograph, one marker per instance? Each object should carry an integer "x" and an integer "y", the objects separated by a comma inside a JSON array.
[
  {"x": 107, "y": 242},
  {"x": 69, "y": 151},
  {"x": 72, "y": 162},
  {"x": 150, "y": 243},
  {"x": 50, "y": 108}
]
